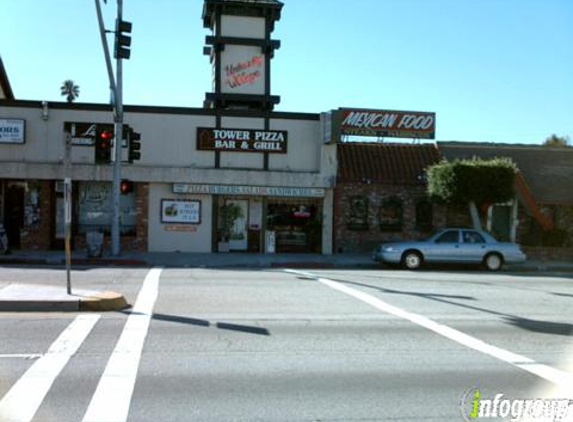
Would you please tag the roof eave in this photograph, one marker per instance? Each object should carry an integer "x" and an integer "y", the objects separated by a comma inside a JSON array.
[{"x": 5, "y": 83}]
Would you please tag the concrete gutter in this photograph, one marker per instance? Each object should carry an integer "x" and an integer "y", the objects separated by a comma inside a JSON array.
[{"x": 213, "y": 260}]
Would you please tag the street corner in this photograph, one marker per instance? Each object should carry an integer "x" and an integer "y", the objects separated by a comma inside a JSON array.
[
  {"x": 19, "y": 297},
  {"x": 102, "y": 302}
]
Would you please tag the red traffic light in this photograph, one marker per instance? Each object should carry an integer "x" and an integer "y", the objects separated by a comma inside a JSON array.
[
  {"x": 105, "y": 135},
  {"x": 126, "y": 186}
]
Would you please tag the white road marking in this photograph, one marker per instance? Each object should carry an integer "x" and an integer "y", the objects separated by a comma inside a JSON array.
[
  {"x": 21, "y": 356},
  {"x": 112, "y": 398},
  {"x": 21, "y": 403},
  {"x": 556, "y": 376}
]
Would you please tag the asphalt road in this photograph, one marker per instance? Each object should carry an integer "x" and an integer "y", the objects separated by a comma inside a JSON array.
[{"x": 272, "y": 345}]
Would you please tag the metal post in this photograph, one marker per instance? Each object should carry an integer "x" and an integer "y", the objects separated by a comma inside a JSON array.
[
  {"x": 102, "y": 32},
  {"x": 68, "y": 208},
  {"x": 115, "y": 227}
]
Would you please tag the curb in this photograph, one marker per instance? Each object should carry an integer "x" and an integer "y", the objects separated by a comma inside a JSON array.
[
  {"x": 131, "y": 262},
  {"x": 87, "y": 301},
  {"x": 96, "y": 262},
  {"x": 102, "y": 302},
  {"x": 39, "y": 305}
]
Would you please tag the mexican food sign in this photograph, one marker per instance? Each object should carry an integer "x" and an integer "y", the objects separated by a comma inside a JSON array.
[{"x": 385, "y": 123}]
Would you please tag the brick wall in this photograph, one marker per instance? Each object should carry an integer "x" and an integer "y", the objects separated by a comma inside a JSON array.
[
  {"x": 350, "y": 240},
  {"x": 543, "y": 253},
  {"x": 36, "y": 233},
  {"x": 142, "y": 222}
]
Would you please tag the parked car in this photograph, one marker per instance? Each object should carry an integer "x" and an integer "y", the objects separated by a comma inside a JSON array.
[{"x": 451, "y": 245}]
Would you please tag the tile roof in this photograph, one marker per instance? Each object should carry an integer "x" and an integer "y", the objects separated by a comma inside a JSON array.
[
  {"x": 548, "y": 171},
  {"x": 384, "y": 163},
  {"x": 242, "y": 8}
]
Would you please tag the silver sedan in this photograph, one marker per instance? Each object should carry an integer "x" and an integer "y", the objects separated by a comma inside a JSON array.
[{"x": 451, "y": 245}]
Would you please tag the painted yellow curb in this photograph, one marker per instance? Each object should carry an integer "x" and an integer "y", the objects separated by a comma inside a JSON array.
[{"x": 103, "y": 301}]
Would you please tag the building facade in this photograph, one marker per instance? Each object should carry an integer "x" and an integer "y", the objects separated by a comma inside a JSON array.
[
  {"x": 232, "y": 176},
  {"x": 381, "y": 196}
]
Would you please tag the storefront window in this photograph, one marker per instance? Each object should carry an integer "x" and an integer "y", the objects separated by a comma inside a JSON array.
[
  {"x": 358, "y": 213},
  {"x": 296, "y": 223},
  {"x": 96, "y": 209},
  {"x": 390, "y": 215}
]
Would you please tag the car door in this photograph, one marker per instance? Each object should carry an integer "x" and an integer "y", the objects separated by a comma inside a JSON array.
[
  {"x": 473, "y": 246},
  {"x": 445, "y": 247}
]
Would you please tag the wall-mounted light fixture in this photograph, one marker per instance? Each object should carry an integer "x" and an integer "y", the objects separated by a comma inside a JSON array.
[{"x": 45, "y": 114}]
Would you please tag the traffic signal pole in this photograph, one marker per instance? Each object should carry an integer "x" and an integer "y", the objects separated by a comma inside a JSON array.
[
  {"x": 115, "y": 224},
  {"x": 102, "y": 32},
  {"x": 122, "y": 43}
]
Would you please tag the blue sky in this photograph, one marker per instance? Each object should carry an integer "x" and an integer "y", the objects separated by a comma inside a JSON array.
[{"x": 491, "y": 70}]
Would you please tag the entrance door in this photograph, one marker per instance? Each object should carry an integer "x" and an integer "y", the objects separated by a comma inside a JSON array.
[
  {"x": 14, "y": 214},
  {"x": 501, "y": 222},
  {"x": 238, "y": 236}
]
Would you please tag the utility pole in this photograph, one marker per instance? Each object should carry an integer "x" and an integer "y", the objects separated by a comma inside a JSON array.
[{"x": 121, "y": 51}]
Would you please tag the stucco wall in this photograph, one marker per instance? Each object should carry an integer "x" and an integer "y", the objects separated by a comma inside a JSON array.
[
  {"x": 168, "y": 147},
  {"x": 163, "y": 240},
  {"x": 242, "y": 26}
]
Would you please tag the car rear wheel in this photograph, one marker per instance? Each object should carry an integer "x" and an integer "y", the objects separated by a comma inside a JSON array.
[
  {"x": 412, "y": 260},
  {"x": 493, "y": 262}
]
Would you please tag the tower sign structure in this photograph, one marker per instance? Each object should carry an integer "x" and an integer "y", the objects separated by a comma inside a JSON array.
[{"x": 240, "y": 49}]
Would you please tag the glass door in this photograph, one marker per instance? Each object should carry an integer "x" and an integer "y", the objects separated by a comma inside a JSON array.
[{"x": 238, "y": 240}]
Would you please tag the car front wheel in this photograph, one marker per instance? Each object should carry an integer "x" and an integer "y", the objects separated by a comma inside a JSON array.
[
  {"x": 412, "y": 260},
  {"x": 493, "y": 262}
]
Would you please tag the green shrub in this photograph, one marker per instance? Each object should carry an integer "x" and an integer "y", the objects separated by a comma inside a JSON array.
[{"x": 478, "y": 180}]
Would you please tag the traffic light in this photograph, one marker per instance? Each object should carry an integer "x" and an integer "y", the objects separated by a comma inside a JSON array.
[
  {"x": 126, "y": 186},
  {"x": 122, "y": 39},
  {"x": 134, "y": 145},
  {"x": 103, "y": 141}
]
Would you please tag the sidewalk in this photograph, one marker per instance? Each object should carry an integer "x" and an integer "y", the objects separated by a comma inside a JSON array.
[{"x": 26, "y": 297}]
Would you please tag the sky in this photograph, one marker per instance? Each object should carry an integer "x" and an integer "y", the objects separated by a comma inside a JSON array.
[{"x": 491, "y": 70}]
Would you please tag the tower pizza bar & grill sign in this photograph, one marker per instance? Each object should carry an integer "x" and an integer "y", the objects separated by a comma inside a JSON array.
[{"x": 242, "y": 140}]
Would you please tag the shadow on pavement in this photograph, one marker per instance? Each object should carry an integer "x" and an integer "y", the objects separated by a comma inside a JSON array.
[
  {"x": 536, "y": 326},
  {"x": 562, "y": 294},
  {"x": 249, "y": 329},
  {"x": 559, "y": 328}
]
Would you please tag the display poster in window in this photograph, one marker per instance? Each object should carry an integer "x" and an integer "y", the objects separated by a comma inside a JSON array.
[
  {"x": 180, "y": 211},
  {"x": 95, "y": 209}
]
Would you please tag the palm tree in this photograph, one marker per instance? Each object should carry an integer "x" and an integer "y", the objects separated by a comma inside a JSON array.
[{"x": 70, "y": 90}]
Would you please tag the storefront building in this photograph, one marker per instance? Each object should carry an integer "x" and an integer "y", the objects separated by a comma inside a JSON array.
[
  {"x": 381, "y": 195},
  {"x": 232, "y": 176}
]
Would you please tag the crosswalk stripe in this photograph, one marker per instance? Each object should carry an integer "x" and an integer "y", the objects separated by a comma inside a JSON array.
[
  {"x": 560, "y": 378},
  {"x": 21, "y": 403},
  {"x": 112, "y": 398}
]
